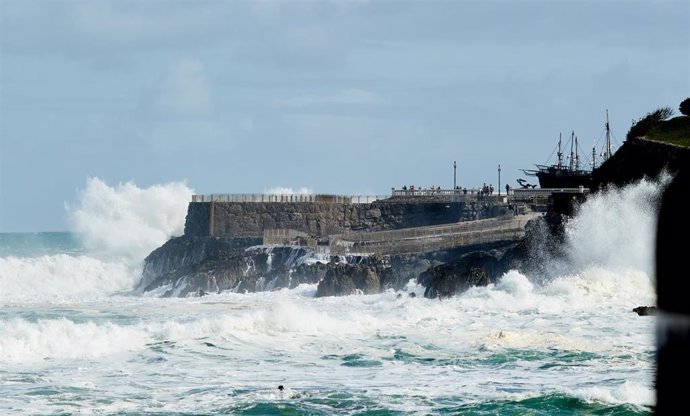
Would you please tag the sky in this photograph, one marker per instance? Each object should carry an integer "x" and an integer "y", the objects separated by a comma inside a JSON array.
[{"x": 338, "y": 97}]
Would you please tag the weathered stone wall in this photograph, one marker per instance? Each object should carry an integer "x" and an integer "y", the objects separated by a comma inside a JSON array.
[
  {"x": 320, "y": 219},
  {"x": 198, "y": 217}
]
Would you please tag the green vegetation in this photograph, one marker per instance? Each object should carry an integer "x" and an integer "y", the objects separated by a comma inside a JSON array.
[
  {"x": 674, "y": 131},
  {"x": 658, "y": 126}
]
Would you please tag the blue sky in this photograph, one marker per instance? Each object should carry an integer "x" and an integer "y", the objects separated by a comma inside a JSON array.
[{"x": 346, "y": 97}]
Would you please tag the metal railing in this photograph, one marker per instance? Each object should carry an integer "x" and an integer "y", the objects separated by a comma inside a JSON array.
[
  {"x": 457, "y": 194},
  {"x": 288, "y": 237},
  {"x": 478, "y": 193},
  {"x": 436, "y": 192},
  {"x": 316, "y": 198},
  {"x": 546, "y": 192}
]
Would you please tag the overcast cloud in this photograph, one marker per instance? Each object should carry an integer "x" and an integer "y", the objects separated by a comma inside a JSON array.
[{"x": 341, "y": 97}]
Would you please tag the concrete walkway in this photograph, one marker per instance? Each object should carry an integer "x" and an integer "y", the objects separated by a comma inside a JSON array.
[{"x": 432, "y": 238}]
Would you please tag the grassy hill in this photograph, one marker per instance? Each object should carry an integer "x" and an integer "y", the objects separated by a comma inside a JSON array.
[{"x": 673, "y": 131}]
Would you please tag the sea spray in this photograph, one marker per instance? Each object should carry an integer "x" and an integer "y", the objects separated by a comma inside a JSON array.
[
  {"x": 616, "y": 228},
  {"x": 611, "y": 230},
  {"x": 126, "y": 222},
  {"x": 116, "y": 228}
]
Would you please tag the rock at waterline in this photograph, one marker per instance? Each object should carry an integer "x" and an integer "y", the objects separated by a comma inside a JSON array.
[{"x": 645, "y": 310}]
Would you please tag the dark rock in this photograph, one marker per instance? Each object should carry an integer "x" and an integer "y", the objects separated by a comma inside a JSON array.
[
  {"x": 645, "y": 310},
  {"x": 181, "y": 255},
  {"x": 348, "y": 279},
  {"x": 479, "y": 268},
  {"x": 672, "y": 287},
  {"x": 195, "y": 265},
  {"x": 640, "y": 158}
]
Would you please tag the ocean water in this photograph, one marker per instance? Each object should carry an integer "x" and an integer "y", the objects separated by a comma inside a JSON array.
[{"x": 76, "y": 339}]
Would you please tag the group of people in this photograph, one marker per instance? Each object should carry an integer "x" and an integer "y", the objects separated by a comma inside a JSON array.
[
  {"x": 483, "y": 191},
  {"x": 486, "y": 189},
  {"x": 432, "y": 188}
]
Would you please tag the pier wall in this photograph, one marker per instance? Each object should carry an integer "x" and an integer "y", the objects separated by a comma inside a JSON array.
[{"x": 230, "y": 219}]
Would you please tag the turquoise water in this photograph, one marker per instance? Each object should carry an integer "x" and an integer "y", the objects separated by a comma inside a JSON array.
[{"x": 39, "y": 244}]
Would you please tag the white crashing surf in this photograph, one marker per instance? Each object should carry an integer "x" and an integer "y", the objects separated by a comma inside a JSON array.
[
  {"x": 126, "y": 222},
  {"x": 118, "y": 227}
]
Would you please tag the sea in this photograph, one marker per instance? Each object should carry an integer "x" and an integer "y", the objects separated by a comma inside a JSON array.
[{"x": 76, "y": 338}]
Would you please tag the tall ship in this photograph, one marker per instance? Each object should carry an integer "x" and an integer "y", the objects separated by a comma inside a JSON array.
[{"x": 570, "y": 174}]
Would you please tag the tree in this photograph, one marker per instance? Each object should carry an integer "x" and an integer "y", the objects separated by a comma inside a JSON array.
[
  {"x": 661, "y": 114},
  {"x": 685, "y": 107},
  {"x": 646, "y": 123}
]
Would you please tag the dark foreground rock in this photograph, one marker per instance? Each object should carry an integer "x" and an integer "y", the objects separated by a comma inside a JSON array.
[
  {"x": 645, "y": 310},
  {"x": 349, "y": 279},
  {"x": 479, "y": 268}
]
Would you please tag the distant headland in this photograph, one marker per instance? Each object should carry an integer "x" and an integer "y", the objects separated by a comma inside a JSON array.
[{"x": 446, "y": 239}]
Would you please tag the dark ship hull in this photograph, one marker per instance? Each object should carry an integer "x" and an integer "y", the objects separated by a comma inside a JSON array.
[
  {"x": 562, "y": 177},
  {"x": 569, "y": 175}
]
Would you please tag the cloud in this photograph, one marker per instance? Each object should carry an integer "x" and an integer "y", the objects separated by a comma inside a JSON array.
[
  {"x": 94, "y": 29},
  {"x": 186, "y": 92},
  {"x": 180, "y": 111},
  {"x": 347, "y": 96}
]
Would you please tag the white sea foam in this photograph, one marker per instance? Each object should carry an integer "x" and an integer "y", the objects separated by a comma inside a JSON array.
[
  {"x": 61, "y": 278},
  {"x": 253, "y": 342},
  {"x": 25, "y": 341},
  {"x": 631, "y": 392}
]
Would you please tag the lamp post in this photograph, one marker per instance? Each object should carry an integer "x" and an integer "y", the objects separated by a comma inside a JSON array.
[
  {"x": 499, "y": 179},
  {"x": 455, "y": 169}
]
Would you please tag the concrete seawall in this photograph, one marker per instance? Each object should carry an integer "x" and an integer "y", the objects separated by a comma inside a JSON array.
[{"x": 229, "y": 219}]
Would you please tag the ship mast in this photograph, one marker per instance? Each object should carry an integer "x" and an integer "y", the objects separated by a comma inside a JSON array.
[
  {"x": 560, "y": 154},
  {"x": 607, "y": 152},
  {"x": 572, "y": 138},
  {"x": 577, "y": 158}
]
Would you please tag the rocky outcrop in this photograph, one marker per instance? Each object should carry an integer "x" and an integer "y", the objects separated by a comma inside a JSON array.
[
  {"x": 220, "y": 249},
  {"x": 640, "y": 158},
  {"x": 188, "y": 266},
  {"x": 183, "y": 254},
  {"x": 478, "y": 268},
  {"x": 349, "y": 279},
  {"x": 191, "y": 265}
]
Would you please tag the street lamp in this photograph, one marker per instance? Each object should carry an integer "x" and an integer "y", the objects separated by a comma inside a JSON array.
[{"x": 499, "y": 179}]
